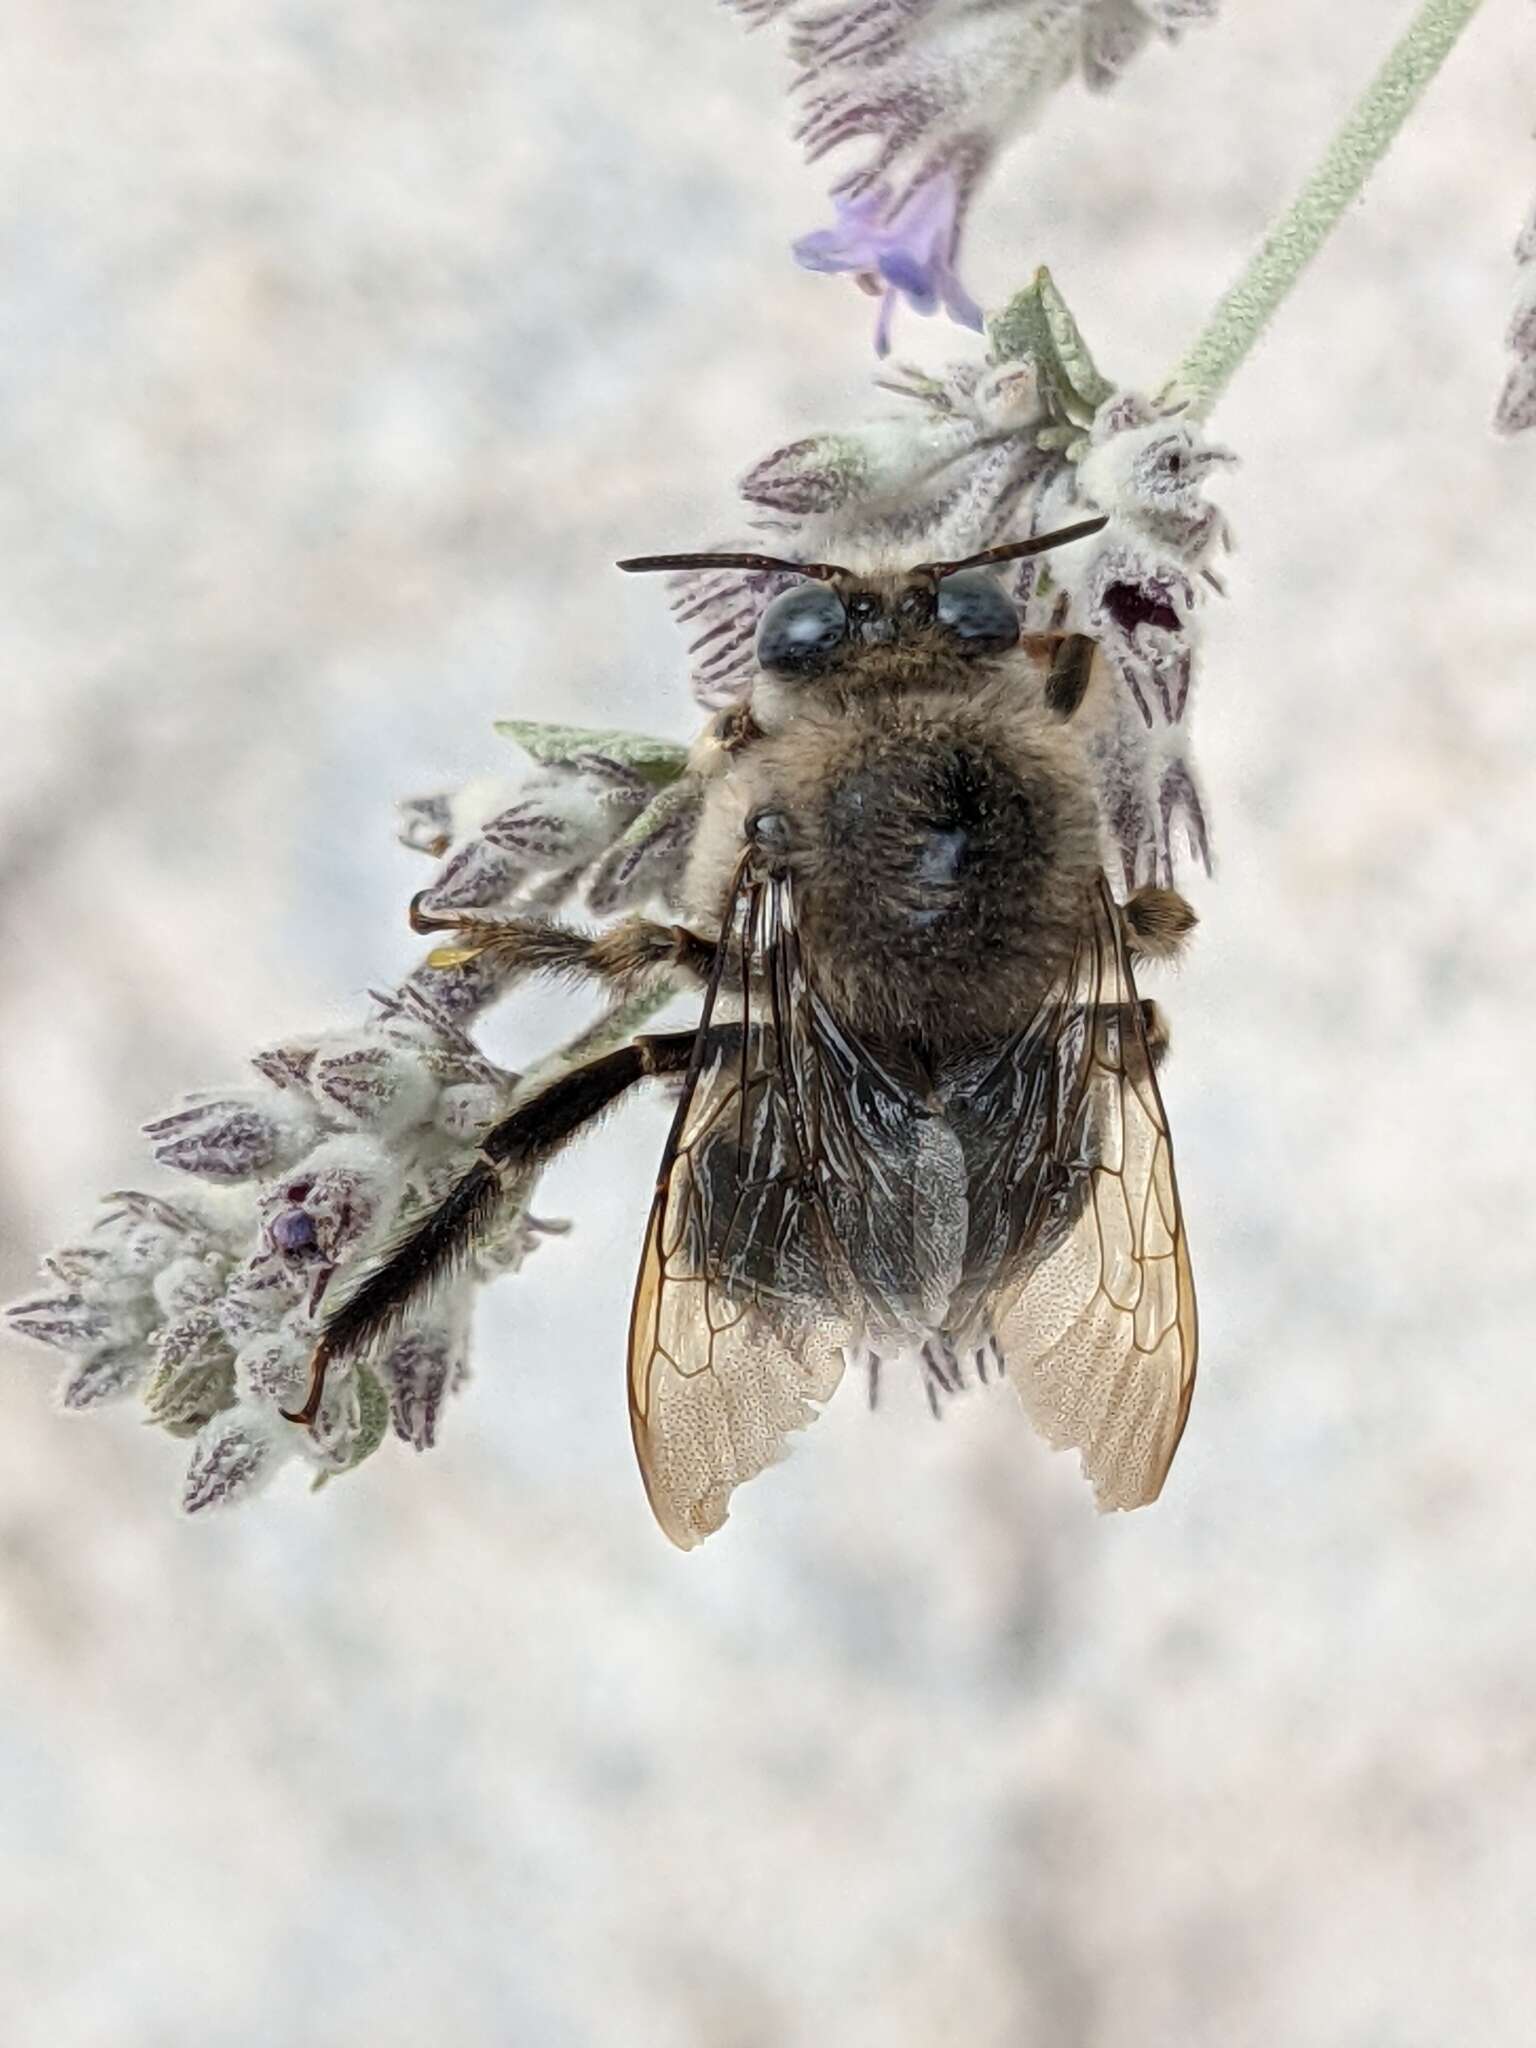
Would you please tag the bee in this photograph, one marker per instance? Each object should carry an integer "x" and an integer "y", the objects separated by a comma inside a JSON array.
[{"x": 919, "y": 1115}]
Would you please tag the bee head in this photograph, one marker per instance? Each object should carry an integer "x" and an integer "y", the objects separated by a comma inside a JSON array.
[{"x": 811, "y": 630}]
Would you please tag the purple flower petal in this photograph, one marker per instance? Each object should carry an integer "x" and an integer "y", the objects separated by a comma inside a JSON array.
[{"x": 899, "y": 247}]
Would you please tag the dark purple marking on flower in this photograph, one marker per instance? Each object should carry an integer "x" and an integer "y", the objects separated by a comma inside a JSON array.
[
  {"x": 259, "y": 1295},
  {"x": 721, "y": 657},
  {"x": 451, "y": 995},
  {"x": 195, "y": 1338},
  {"x": 274, "y": 1367},
  {"x": 714, "y": 633},
  {"x": 477, "y": 876},
  {"x": 1179, "y": 801},
  {"x": 418, "y": 1373},
  {"x": 1140, "y": 604},
  {"x": 77, "y": 1265},
  {"x": 107, "y": 1377},
  {"x": 1042, "y": 610},
  {"x": 693, "y": 591},
  {"x": 538, "y": 837},
  {"x": 150, "y": 1210},
  {"x": 865, "y": 32},
  {"x": 989, "y": 483},
  {"x": 363, "y": 1081},
  {"x": 230, "y": 1461},
  {"x": 842, "y": 113},
  {"x": 1129, "y": 673},
  {"x": 901, "y": 247},
  {"x": 223, "y": 1141},
  {"x": 1118, "y": 415},
  {"x": 285, "y": 1066},
  {"x": 618, "y": 782},
  {"x": 798, "y": 479},
  {"x": 451, "y": 1053},
  {"x": 649, "y": 867},
  {"x": 1131, "y": 826},
  {"x": 66, "y": 1321}
]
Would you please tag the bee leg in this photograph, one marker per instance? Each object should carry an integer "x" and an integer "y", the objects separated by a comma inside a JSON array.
[
  {"x": 1066, "y": 684},
  {"x": 531, "y": 945},
  {"x": 445, "y": 1236},
  {"x": 1157, "y": 923},
  {"x": 737, "y": 729}
]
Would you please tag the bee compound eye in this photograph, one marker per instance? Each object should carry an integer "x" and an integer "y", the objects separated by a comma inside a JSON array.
[
  {"x": 801, "y": 631},
  {"x": 975, "y": 608}
]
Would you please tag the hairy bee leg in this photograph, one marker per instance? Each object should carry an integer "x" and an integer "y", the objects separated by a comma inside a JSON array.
[
  {"x": 447, "y": 1234},
  {"x": 626, "y": 954},
  {"x": 1157, "y": 923},
  {"x": 1066, "y": 685}
]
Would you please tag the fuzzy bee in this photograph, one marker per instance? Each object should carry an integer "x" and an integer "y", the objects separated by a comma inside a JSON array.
[{"x": 919, "y": 1115}]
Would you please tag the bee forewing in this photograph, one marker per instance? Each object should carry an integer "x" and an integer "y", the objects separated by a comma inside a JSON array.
[
  {"x": 725, "y": 1364},
  {"x": 1099, "y": 1331}
]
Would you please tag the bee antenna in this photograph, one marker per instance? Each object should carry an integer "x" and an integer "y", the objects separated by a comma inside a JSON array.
[
  {"x": 1011, "y": 550},
  {"x": 822, "y": 572}
]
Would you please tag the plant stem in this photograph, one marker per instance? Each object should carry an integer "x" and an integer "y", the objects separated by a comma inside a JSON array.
[{"x": 1241, "y": 316}]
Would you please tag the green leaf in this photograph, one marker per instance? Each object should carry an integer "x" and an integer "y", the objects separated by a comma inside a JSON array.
[
  {"x": 1037, "y": 326},
  {"x": 659, "y": 761},
  {"x": 373, "y": 1410}
]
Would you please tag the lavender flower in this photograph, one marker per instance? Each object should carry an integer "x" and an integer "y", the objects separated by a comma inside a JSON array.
[
  {"x": 538, "y": 838},
  {"x": 419, "y": 1371},
  {"x": 936, "y": 88},
  {"x": 1028, "y": 440},
  {"x": 207, "y": 1303},
  {"x": 899, "y": 249}
]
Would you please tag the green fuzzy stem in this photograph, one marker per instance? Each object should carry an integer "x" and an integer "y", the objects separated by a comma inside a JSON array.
[
  {"x": 615, "y": 1027},
  {"x": 1386, "y": 103}
]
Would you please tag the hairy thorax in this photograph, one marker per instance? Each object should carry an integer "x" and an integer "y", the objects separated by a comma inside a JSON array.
[{"x": 941, "y": 849}]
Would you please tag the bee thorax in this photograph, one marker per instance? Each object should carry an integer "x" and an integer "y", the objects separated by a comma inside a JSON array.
[{"x": 940, "y": 882}]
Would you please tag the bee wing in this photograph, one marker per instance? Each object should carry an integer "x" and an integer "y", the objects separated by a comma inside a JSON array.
[
  {"x": 1095, "y": 1310},
  {"x": 743, "y": 1303}
]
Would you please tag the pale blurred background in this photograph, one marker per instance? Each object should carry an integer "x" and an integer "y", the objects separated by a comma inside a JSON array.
[{"x": 343, "y": 345}]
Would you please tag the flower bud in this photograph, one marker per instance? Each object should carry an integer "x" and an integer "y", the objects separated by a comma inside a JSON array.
[
  {"x": 330, "y": 1205},
  {"x": 103, "y": 1377},
  {"x": 69, "y": 1322},
  {"x": 380, "y": 1084},
  {"x": 418, "y": 1371},
  {"x": 236, "y": 1454},
  {"x": 233, "y": 1137}
]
